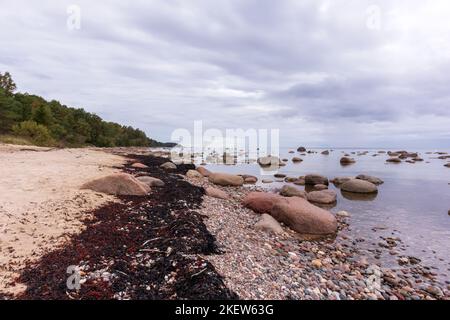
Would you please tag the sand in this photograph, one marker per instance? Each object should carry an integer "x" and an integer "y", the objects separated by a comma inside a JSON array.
[{"x": 41, "y": 203}]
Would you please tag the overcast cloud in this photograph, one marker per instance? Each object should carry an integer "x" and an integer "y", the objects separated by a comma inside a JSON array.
[{"x": 326, "y": 73}]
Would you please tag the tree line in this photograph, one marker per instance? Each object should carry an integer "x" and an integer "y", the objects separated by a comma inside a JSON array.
[{"x": 49, "y": 123}]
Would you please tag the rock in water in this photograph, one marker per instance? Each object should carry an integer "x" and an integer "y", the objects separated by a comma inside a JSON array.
[
  {"x": 340, "y": 180},
  {"x": 326, "y": 152},
  {"x": 150, "y": 181},
  {"x": 290, "y": 191},
  {"x": 169, "y": 166},
  {"x": 347, "y": 160},
  {"x": 138, "y": 165},
  {"x": 217, "y": 193},
  {"x": 261, "y": 202},
  {"x": 269, "y": 162},
  {"x": 322, "y": 197},
  {"x": 319, "y": 187},
  {"x": 313, "y": 179},
  {"x": 225, "y": 179},
  {"x": 120, "y": 184},
  {"x": 204, "y": 172},
  {"x": 268, "y": 223},
  {"x": 394, "y": 160},
  {"x": 376, "y": 181},
  {"x": 297, "y": 159},
  {"x": 304, "y": 217},
  {"x": 194, "y": 174},
  {"x": 359, "y": 186},
  {"x": 301, "y": 149}
]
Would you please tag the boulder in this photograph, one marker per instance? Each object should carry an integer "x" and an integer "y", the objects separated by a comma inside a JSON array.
[
  {"x": 300, "y": 181},
  {"x": 216, "y": 193},
  {"x": 301, "y": 149},
  {"x": 419, "y": 159},
  {"x": 203, "y": 171},
  {"x": 297, "y": 159},
  {"x": 267, "y": 181},
  {"x": 313, "y": 179},
  {"x": 340, "y": 180},
  {"x": 150, "y": 181},
  {"x": 194, "y": 174},
  {"x": 319, "y": 187},
  {"x": 261, "y": 202},
  {"x": 326, "y": 152},
  {"x": 394, "y": 160},
  {"x": 120, "y": 184},
  {"x": 279, "y": 175},
  {"x": 169, "y": 166},
  {"x": 250, "y": 179},
  {"x": 447, "y": 165},
  {"x": 290, "y": 179},
  {"x": 290, "y": 191},
  {"x": 347, "y": 160},
  {"x": 268, "y": 223},
  {"x": 225, "y": 179},
  {"x": 269, "y": 161},
  {"x": 304, "y": 217},
  {"x": 359, "y": 186},
  {"x": 322, "y": 197},
  {"x": 376, "y": 181},
  {"x": 138, "y": 165}
]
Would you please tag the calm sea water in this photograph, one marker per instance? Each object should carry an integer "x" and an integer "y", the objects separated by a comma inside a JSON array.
[{"x": 412, "y": 204}]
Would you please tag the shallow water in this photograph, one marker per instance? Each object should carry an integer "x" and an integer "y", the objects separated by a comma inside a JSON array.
[{"x": 412, "y": 204}]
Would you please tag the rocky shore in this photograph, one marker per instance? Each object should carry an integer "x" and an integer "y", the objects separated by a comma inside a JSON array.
[{"x": 190, "y": 236}]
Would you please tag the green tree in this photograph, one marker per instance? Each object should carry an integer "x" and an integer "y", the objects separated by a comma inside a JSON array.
[{"x": 7, "y": 83}]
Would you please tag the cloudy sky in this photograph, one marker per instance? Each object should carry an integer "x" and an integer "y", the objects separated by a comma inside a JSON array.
[{"x": 326, "y": 73}]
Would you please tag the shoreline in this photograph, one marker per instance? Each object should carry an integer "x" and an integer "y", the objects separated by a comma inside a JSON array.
[{"x": 225, "y": 257}]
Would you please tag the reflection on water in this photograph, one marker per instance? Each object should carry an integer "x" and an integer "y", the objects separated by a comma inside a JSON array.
[
  {"x": 359, "y": 196},
  {"x": 413, "y": 202}
]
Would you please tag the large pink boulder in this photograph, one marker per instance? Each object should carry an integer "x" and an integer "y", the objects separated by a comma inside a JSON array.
[
  {"x": 261, "y": 202},
  {"x": 304, "y": 217},
  {"x": 118, "y": 184}
]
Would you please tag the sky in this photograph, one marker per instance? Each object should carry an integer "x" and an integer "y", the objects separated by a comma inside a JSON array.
[{"x": 335, "y": 73}]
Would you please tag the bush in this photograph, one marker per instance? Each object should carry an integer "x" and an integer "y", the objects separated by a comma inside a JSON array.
[{"x": 38, "y": 133}]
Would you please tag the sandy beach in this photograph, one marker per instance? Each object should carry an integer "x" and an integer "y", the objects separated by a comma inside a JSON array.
[
  {"x": 190, "y": 235},
  {"x": 41, "y": 202}
]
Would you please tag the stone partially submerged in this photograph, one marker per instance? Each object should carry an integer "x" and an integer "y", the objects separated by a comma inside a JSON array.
[
  {"x": 372, "y": 179},
  {"x": 119, "y": 184},
  {"x": 359, "y": 186},
  {"x": 322, "y": 197}
]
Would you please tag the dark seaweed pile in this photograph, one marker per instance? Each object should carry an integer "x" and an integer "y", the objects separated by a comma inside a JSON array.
[{"x": 144, "y": 248}]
